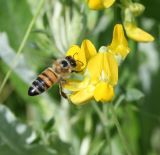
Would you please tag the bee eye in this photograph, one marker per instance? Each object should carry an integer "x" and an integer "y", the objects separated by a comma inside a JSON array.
[{"x": 64, "y": 63}]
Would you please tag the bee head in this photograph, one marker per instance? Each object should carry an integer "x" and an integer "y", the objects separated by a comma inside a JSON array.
[{"x": 71, "y": 61}]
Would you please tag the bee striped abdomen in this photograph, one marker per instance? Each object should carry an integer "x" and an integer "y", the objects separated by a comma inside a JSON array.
[{"x": 44, "y": 81}]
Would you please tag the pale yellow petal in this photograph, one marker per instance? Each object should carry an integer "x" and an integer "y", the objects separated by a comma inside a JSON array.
[
  {"x": 137, "y": 33},
  {"x": 95, "y": 4},
  {"x": 79, "y": 55},
  {"x": 75, "y": 85},
  {"x": 110, "y": 68},
  {"x": 119, "y": 45},
  {"x": 94, "y": 67},
  {"x": 88, "y": 48},
  {"x": 136, "y": 8},
  {"x": 108, "y": 3},
  {"x": 82, "y": 96},
  {"x": 104, "y": 67},
  {"x": 103, "y": 92}
]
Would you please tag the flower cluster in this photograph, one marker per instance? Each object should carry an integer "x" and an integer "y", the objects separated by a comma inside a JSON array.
[
  {"x": 130, "y": 11},
  {"x": 101, "y": 69}
]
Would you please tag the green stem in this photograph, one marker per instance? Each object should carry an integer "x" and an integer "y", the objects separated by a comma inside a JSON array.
[
  {"x": 117, "y": 15},
  {"x": 104, "y": 121},
  {"x": 100, "y": 114},
  {"x": 14, "y": 63},
  {"x": 119, "y": 101},
  {"x": 116, "y": 122},
  {"x": 107, "y": 129},
  {"x": 134, "y": 56}
]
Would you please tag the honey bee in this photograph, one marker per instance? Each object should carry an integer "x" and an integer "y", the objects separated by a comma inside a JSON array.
[{"x": 57, "y": 73}]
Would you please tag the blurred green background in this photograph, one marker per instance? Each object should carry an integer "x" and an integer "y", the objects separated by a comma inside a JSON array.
[{"x": 48, "y": 124}]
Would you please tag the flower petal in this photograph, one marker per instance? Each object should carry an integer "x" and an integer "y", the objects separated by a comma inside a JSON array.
[
  {"x": 100, "y": 4},
  {"x": 88, "y": 48},
  {"x": 95, "y": 4},
  {"x": 108, "y": 3},
  {"x": 78, "y": 55},
  {"x": 137, "y": 33},
  {"x": 75, "y": 85},
  {"x": 103, "y": 67},
  {"x": 83, "y": 95},
  {"x": 94, "y": 67},
  {"x": 103, "y": 92},
  {"x": 119, "y": 45},
  {"x": 110, "y": 68}
]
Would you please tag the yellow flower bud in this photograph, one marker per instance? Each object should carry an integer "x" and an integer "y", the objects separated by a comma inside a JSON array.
[
  {"x": 137, "y": 33},
  {"x": 136, "y": 8}
]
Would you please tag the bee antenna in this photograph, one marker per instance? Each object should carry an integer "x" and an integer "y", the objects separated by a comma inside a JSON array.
[
  {"x": 78, "y": 60},
  {"x": 75, "y": 54}
]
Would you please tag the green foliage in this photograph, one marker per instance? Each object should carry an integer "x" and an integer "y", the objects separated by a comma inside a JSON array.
[
  {"x": 133, "y": 95},
  {"x": 152, "y": 10},
  {"x": 16, "y": 136},
  {"x": 48, "y": 124},
  {"x": 12, "y": 20}
]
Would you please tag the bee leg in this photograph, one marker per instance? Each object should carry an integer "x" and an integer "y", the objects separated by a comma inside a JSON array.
[{"x": 61, "y": 91}]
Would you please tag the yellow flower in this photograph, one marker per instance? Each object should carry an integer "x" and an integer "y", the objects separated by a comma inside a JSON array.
[
  {"x": 119, "y": 45},
  {"x": 101, "y": 76},
  {"x": 82, "y": 54},
  {"x": 137, "y": 33},
  {"x": 100, "y": 4},
  {"x": 101, "y": 72}
]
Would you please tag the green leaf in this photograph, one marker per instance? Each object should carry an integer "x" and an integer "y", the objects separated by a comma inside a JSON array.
[
  {"x": 12, "y": 132},
  {"x": 133, "y": 94},
  {"x": 15, "y": 16},
  {"x": 61, "y": 147},
  {"x": 8, "y": 55},
  {"x": 96, "y": 146},
  {"x": 48, "y": 126},
  {"x": 17, "y": 136},
  {"x": 22, "y": 76}
]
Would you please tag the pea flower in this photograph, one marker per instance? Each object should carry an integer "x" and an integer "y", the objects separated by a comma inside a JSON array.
[
  {"x": 137, "y": 33},
  {"x": 130, "y": 11},
  {"x": 101, "y": 76},
  {"x": 101, "y": 73},
  {"x": 132, "y": 30},
  {"x": 100, "y": 4}
]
